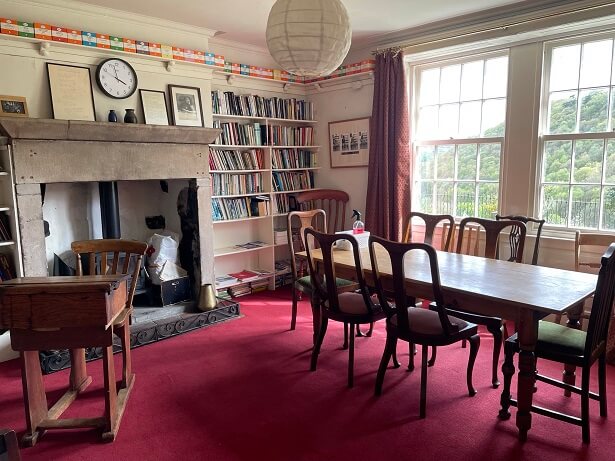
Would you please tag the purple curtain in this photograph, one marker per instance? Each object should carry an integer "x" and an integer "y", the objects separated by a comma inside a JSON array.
[{"x": 388, "y": 184}]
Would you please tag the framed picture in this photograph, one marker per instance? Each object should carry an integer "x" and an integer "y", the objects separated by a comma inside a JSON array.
[
  {"x": 186, "y": 107},
  {"x": 154, "y": 105},
  {"x": 349, "y": 142},
  {"x": 71, "y": 92},
  {"x": 13, "y": 106}
]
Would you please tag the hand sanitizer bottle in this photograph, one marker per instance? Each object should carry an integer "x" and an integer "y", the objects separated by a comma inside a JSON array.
[{"x": 357, "y": 227}]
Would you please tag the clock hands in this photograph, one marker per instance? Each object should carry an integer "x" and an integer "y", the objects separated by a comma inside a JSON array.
[{"x": 115, "y": 76}]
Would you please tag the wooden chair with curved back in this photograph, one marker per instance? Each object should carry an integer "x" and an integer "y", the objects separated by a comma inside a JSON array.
[
  {"x": 416, "y": 326},
  {"x": 493, "y": 229},
  {"x": 332, "y": 201},
  {"x": 526, "y": 219},
  {"x": 352, "y": 306},
  {"x": 316, "y": 219},
  {"x": 112, "y": 256},
  {"x": 431, "y": 221},
  {"x": 573, "y": 347}
]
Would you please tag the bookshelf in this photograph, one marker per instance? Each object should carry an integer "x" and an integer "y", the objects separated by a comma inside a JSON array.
[
  {"x": 10, "y": 247},
  {"x": 264, "y": 155}
]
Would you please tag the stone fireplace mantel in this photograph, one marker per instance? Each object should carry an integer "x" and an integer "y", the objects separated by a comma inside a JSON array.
[{"x": 64, "y": 151}]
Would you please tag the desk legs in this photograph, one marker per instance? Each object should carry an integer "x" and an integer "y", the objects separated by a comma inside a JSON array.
[
  {"x": 79, "y": 378},
  {"x": 528, "y": 336},
  {"x": 35, "y": 400},
  {"x": 569, "y": 375}
]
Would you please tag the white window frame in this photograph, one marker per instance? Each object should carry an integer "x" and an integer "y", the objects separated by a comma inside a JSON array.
[{"x": 416, "y": 143}]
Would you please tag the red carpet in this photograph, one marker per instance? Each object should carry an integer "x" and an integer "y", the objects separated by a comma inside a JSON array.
[{"x": 242, "y": 391}]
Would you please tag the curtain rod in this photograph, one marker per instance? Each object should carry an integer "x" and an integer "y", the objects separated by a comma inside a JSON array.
[{"x": 407, "y": 45}]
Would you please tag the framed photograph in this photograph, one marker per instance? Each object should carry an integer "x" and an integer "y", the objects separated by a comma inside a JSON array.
[
  {"x": 71, "y": 92},
  {"x": 186, "y": 107},
  {"x": 349, "y": 142},
  {"x": 154, "y": 105},
  {"x": 13, "y": 106}
]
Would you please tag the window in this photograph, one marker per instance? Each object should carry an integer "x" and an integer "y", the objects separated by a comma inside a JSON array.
[
  {"x": 460, "y": 108},
  {"x": 577, "y": 186}
]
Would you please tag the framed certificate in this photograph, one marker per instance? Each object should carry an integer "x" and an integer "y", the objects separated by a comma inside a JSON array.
[
  {"x": 186, "y": 107},
  {"x": 71, "y": 92},
  {"x": 154, "y": 105}
]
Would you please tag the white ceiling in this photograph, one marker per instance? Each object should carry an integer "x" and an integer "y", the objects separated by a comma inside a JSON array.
[{"x": 245, "y": 20}]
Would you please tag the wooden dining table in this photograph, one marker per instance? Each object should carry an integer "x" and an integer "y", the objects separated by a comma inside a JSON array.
[{"x": 518, "y": 292}]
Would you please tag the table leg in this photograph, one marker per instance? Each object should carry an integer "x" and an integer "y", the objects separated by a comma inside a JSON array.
[
  {"x": 111, "y": 407},
  {"x": 79, "y": 378},
  {"x": 35, "y": 399},
  {"x": 528, "y": 336},
  {"x": 569, "y": 374}
]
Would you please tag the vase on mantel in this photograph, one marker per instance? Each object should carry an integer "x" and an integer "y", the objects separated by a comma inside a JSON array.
[
  {"x": 130, "y": 116},
  {"x": 112, "y": 116}
]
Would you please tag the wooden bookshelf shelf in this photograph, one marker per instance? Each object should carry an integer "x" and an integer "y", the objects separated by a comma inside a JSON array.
[
  {"x": 263, "y": 119},
  {"x": 251, "y": 218},
  {"x": 292, "y": 191},
  {"x": 7, "y": 243},
  {"x": 297, "y": 169},
  {"x": 236, "y": 171},
  {"x": 250, "y": 194},
  {"x": 234, "y": 250}
]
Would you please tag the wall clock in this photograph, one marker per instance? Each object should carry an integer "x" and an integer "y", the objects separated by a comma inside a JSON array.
[{"x": 116, "y": 78}]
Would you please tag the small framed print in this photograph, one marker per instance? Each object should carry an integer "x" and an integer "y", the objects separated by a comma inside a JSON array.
[
  {"x": 13, "y": 106},
  {"x": 186, "y": 106},
  {"x": 349, "y": 142},
  {"x": 154, "y": 105},
  {"x": 71, "y": 92}
]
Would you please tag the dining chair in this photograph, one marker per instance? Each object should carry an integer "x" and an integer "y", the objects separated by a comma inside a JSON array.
[
  {"x": 9, "y": 448},
  {"x": 526, "y": 219},
  {"x": 112, "y": 256},
  {"x": 431, "y": 222},
  {"x": 574, "y": 347},
  {"x": 470, "y": 238},
  {"x": 350, "y": 306},
  {"x": 492, "y": 248},
  {"x": 416, "y": 326}
]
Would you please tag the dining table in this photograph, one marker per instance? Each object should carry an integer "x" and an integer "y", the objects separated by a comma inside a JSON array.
[{"x": 522, "y": 293}]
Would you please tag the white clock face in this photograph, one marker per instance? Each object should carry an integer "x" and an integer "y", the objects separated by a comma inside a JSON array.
[{"x": 116, "y": 78}]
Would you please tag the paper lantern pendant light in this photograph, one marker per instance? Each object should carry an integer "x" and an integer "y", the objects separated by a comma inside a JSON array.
[{"x": 308, "y": 37}]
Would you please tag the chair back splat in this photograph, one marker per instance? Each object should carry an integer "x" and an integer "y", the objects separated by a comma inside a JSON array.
[
  {"x": 493, "y": 229},
  {"x": 431, "y": 222},
  {"x": 602, "y": 306},
  {"x": 525, "y": 219},
  {"x": 332, "y": 201}
]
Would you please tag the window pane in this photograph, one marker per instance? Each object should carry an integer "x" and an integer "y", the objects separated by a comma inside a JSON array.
[
  {"x": 609, "y": 168},
  {"x": 494, "y": 115},
  {"x": 487, "y": 200},
  {"x": 496, "y": 78},
  {"x": 466, "y": 162},
  {"x": 557, "y": 162},
  {"x": 426, "y": 162},
  {"x": 594, "y": 110},
  {"x": 489, "y": 162},
  {"x": 563, "y": 112},
  {"x": 555, "y": 204},
  {"x": 565, "y": 68},
  {"x": 426, "y": 197},
  {"x": 585, "y": 206},
  {"x": 466, "y": 194},
  {"x": 444, "y": 198},
  {"x": 596, "y": 64},
  {"x": 448, "y": 121},
  {"x": 471, "y": 81},
  {"x": 469, "y": 119},
  {"x": 588, "y": 161},
  {"x": 445, "y": 156},
  {"x": 430, "y": 83},
  {"x": 608, "y": 209},
  {"x": 428, "y": 122},
  {"x": 449, "y": 84}
]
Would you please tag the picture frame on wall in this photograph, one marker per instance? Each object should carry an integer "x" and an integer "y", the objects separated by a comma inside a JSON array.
[
  {"x": 154, "y": 105},
  {"x": 186, "y": 105},
  {"x": 13, "y": 106},
  {"x": 349, "y": 143},
  {"x": 71, "y": 92}
]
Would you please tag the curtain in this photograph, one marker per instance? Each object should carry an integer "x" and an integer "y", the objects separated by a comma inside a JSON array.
[{"x": 388, "y": 183}]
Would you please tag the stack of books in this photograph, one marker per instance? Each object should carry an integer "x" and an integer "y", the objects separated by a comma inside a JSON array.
[
  {"x": 250, "y": 245},
  {"x": 223, "y": 293},
  {"x": 280, "y": 236},
  {"x": 283, "y": 275},
  {"x": 259, "y": 285},
  {"x": 225, "y": 281},
  {"x": 240, "y": 290}
]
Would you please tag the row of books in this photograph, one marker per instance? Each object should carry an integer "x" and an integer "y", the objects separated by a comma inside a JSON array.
[
  {"x": 228, "y": 103},
  {"x": 255, "y": 134},
  {"x": 7, "y": 271},
  {"x": 237, "y": 208},
  {"x": 5, "y": 228},
  {"x": 234, "y": 184},
  {"x": 280, "y": 236},
  {"x": 280, "y": 204},
  {"x": 292, "y": 180},
  {"x": 249, "y": 159},
  {"x": 293, "y": 158}
]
